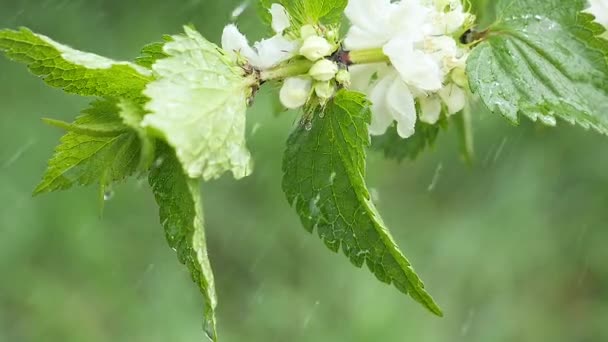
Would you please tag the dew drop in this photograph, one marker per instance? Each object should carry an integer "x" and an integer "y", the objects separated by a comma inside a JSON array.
[
  {"x": 308, "y": 125},
  {"x": 108, "y": 195}
]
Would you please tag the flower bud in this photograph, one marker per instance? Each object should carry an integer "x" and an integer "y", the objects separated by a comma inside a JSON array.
[
  {"x": 459, "y": 77},
  {"x": 325, "y": 90},
  {"x": 295, "y": 92},
  {"x": 343, "y": 77},
  {"x": 307, "y": 31},
  {"x": 315, "y": 48},
  {"x": 454, "y": 97},
  {"x": 323, "y": 70}
]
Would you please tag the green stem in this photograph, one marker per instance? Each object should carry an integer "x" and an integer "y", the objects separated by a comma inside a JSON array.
[
  {"x": 295, "y": 68},
  {"x": 367, "y": 56},
  {"x": 302, "y": 66}
]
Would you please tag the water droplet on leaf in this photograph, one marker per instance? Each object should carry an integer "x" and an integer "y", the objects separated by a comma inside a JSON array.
[{"x": 108, "y": 195}]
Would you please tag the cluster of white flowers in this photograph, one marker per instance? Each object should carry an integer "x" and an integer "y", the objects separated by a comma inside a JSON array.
[
  {"x": 418, "y": 36},
  {"x": 426, "y": 62},
  {"x": 269, "y": 53}
]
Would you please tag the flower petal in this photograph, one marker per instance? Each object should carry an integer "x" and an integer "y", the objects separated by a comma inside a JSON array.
[
  {"x": 295, "y": 92},
  {"x": 415, "y": 67},
  {"x": 280, "y": 18},
  {"x": 402, "y": 107},
  {"x": 273, "y": 51},
  {"x": 235, "y": 42},
  {"x": 430, "y": 109},
  {"x": 381, "y": 115},
  {"x": 454, "y": 97}
]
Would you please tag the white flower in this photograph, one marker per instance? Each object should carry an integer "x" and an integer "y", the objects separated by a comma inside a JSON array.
[
  {"x": 307, "y": 31},
  {"x": 325, "y": 90},
  {"x": 449, "y": 16},
  {"x": 315, "y": 48},
  {"x": 343, "y": 77},
  {"x": 416, "y": 36},
  {"x": 280, "y": 18},
  {"x": 599, "y": 8},
  {"x": 295, "y": 92},
  {"x": 266, "y": 53},
  {"x": 391, "y": 98},
  {"x": 451, "y": 95},
  {"x": 323, "y": 70}
]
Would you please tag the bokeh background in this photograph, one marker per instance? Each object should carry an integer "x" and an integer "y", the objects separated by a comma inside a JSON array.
[{"x": 513, "y": 247}]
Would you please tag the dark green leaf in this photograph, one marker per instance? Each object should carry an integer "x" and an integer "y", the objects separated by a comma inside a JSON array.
[
  {"x": 543, "y": 59},
  {"x": 181, "y": 214},
  {"x": 325, "y": 181},
  {"x": 395, "y": 147},
  {"x": 97, "y": 148}
]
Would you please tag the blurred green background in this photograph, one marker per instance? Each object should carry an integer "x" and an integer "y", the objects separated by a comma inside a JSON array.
[{"x": 513, "y": 248}]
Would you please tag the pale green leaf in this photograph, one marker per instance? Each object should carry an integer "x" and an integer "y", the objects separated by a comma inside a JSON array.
[
  {"x": 73, "y": 71},
  {"x": 324, "y": 180},
  {"x": 543, "y": 59},
  {"x": 181, "y": 214},
  {"x": 198, "y": 104},
  {"x": 97, "y": 148}
]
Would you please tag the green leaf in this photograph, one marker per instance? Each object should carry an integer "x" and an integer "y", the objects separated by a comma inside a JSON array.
[
  {"x": 304, "y": 12},
  {"x": 151, "y": 53},
  {"x": 543, "y": 59},
  {"x": 325, "y": 181},
  {"x": 73, "y": 71},
  {"x": 198, "y": 104},
  {"x": 181, "y": 214},
  {"x": 395, "y": 147},
  {"x": 98, "y": 147},
  {"x": 132, "y": 116}
]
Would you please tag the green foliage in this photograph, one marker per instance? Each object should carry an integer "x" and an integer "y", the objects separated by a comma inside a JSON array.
[
  {"x": 181, "y": 214},
  {"x": 395, "y": 147},
  {"x": 304, "y": 12},
  {"x": 71, "y": 70},
  {"x": 543, "y": 59},
  {"x": 198, "y": 103},
  {"x": 151, "y": 53},
  {"x": 98, "y": 147},
  {"x": 325, "y": 181}
]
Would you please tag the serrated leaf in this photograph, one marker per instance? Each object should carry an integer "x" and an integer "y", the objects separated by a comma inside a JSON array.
[
  {"x": 97, "y": 148},
  {"x": 73, "y": 71},
  {"x": 198, "y": 104},
  {"x": 180, "y": 204},
  {"x": 151, "y": 53},
  {"x": 324, "y": 179},
  {"x": 305, "y": 12},
  {"x": 397, "y": 148},
  {"x": 543, "y": 59},
  {"x": 132, "y": 116}
]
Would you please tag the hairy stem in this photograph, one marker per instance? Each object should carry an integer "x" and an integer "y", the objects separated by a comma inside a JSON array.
[
  {"x": 367, "y": 56},
  {"x": 301, "y": 67},
  {"x": 295, "y": 68}
]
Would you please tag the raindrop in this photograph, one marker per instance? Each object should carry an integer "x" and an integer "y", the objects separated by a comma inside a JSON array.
[
  {"x": 236, "y": 13},
  {"x": 308, "y": 125},
  {"x": 548, "y": 120},
  {"x": 375, "y": 195},
  {"x": 159, "y": 161},
  {"x": 435, "y": 177},
  {"x": 108, "y": 195},
  {"x": 255, "y": 128}
]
